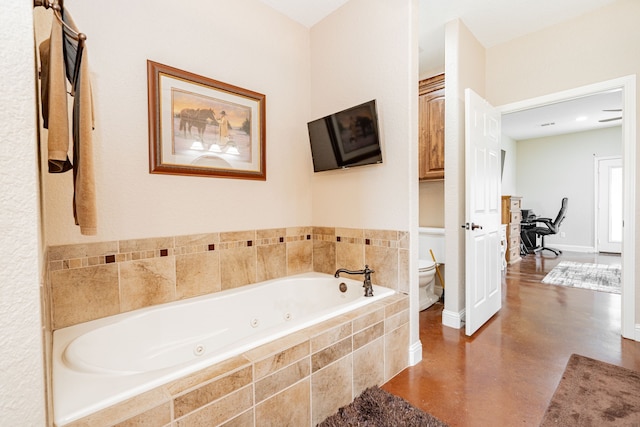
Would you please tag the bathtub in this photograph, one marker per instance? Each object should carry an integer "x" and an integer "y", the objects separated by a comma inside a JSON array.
[{"x": 106, "y": 361}]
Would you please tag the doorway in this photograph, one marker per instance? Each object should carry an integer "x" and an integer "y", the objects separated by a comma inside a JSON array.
[
  {"x": 608, "y": 207},
  {"x": 628, "y": 87}
]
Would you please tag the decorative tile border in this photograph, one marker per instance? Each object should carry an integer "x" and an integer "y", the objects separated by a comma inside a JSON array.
[{"x": 61, "y": 257}]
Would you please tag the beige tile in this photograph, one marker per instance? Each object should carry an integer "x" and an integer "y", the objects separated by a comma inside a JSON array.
[
  {"x": 368, "y": 366},
  {"x": 197, "y": 239},
  {"x": 324, "y": 257},
  {"x": 207, "y": 393},
  {"x": 395, "y": 304},
  {"x": 197, "y": 274},
  {"x": 56, "y": 253},
  {"x": 151, "y": 244},
  {"x": 238, "y": 236},
  {"x": 84, "y": 294},
  {"x": 324, "y": 231},
  {"x": 396, "y": 351},
  {"x": 237, "y": 267},
  {"x": 271, "y": 262},
  {"x": 403, "y": 271},
  {"x": 289, "y": 408},
  {"x": 221, "y": 369},
  {"x": 243, "y": 420},
  {"x": 299, "y": 231},
  {"x": 390, "y": 235},
  {"x": 404, "y": 239},
  {"x": 397, "y": 320},
  {"x": 278, "y": 381},
  {"x": 354, "y": 233},
  {"x": 384, "y": 261},
  {"x": 365, "y": 336},
  {"x": 331, "y": 388},
  {"x": 147, "y": 282},
  {"x": 299, "y": 257},
  {"x": 370, "y": 318},
  {"x": 351, "y": 257},
  {"x": 330, "y": 354},
  {"x": 271, "y": 233},
  {"x": 279, "y": 360},
  {"x": 220, "y": 411},
  {"x": 158, "y": 416},
  {"x": 123, "y": 411},
  {"x": 331, "y": 336}
]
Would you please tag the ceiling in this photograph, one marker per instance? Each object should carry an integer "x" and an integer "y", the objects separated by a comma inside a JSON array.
[{"x": 492, "y": 22}]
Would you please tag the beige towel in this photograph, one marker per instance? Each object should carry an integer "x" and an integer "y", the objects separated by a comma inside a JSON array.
[
  {"x": 58, "y": 120},
  {"x": 85, "y": 192}
]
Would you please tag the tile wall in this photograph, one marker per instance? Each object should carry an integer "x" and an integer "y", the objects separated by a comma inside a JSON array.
[
  {"x": 95, "y": 280},
  {"x": 84, "y": 282}
]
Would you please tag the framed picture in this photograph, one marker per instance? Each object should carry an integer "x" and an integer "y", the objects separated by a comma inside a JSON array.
[{"x": 203, "y": 127}]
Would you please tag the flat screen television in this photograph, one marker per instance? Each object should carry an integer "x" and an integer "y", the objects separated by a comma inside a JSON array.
[{"x": 346, "y": 139}]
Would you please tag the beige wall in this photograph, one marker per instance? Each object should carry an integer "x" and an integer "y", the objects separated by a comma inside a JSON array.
[
  {"x": 464, "y": 68},
  {"x": 595, "y": 47},
  {"x": 244, "y": 43},
  {"x": 431, "y": 195},
  {"x": 21, "y": 371}
]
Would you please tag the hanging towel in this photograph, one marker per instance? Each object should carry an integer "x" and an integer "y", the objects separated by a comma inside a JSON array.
[
  {"x": 58, "y": 56},
  {"x": 54, "y": 99}
]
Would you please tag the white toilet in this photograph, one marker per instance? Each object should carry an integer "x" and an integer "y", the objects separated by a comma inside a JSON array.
[
  {"x": 426, "y": 282},
  {"x": 430, "y": 239}
]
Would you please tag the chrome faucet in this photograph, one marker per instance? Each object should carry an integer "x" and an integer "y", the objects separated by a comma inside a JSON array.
[{"x": 368, "y": 288}]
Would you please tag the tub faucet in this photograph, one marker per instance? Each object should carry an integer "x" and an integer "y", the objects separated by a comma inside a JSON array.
[{"x": 368, "y": 288}]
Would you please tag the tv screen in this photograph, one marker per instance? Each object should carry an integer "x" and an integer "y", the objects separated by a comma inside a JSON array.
[{"x": 346, "y": 139}]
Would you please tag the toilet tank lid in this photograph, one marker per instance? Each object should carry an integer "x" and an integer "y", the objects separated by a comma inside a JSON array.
[{"x": 425, "y": 264}]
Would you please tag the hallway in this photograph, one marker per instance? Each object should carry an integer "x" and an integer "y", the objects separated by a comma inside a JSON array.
[{"x": 507, "y": 372}]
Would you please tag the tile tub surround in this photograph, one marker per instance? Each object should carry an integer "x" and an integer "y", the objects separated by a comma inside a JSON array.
[
  {"x": 297, "y": 380},
  {"x": 95, "y": 280}
]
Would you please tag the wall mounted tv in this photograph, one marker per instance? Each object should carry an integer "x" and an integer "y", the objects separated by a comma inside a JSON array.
[{"x": 346, "y": 139}]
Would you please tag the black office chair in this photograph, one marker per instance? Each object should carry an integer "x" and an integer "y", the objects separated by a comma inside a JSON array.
[{"x": 548, "y": 228}]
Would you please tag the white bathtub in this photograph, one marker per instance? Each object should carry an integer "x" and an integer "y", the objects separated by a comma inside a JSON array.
[{"x": 100, "y": 363}]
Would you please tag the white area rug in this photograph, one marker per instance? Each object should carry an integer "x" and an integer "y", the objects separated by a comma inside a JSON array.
[{"x": 598, "y": 277}]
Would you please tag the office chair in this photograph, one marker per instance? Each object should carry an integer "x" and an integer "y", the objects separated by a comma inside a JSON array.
[{"x": 548, "y": 228}]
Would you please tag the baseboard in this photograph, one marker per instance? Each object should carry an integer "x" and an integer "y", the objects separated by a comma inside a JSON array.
[
  {"x": 453, "y": 319},
  {"x": 415, "y": 353},
  {"x": 572, "y": 248},
  {"x": 636, "y": 336}
]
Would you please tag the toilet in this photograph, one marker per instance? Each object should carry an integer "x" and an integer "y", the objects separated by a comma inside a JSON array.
[
  {"x": 430, "y": 239},
  {"x": 426, "y": 283}
]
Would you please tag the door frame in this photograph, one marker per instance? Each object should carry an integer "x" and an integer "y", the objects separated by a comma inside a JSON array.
[
  {"x": 628, "y": 86},
  {"x": 597, "y": 207}
]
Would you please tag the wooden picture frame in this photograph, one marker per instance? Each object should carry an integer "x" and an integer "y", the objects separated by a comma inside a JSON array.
[{"x": 203, "y": 127}]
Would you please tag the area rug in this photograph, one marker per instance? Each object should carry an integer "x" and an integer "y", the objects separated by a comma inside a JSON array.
[
  {"x": 598, "y": 277},
  {"x": 594, "y": 393},
  {"x": 378, "y": 408}
]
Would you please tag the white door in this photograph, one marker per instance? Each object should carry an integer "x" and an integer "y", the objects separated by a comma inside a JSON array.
[
  {"x": 482, "y": 211},
  {"x": 609, "y": 209}
]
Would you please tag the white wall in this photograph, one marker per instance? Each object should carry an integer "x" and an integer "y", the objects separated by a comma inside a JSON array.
[
  {"x": 244, "y": 43},
  {"x": 592, "y": 48},
  {"x": 509, "y": 181},
  {"x": 22, "y": 400},
  {"x": 563, "y": 166},
  {"x": 464, "y": 68}
]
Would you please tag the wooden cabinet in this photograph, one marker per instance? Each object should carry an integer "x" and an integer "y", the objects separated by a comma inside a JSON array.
[
  {"x": 512, "y": 216},
  {"x": 431, "y": 128}
]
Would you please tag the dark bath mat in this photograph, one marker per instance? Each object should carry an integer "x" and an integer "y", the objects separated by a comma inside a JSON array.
[{"x": 378, "y": 408}]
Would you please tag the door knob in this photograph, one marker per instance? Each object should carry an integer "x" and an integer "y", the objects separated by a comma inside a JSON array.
[{"x": 473, "y": 226}]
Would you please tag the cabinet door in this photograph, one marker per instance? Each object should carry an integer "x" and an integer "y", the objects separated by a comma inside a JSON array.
[{"x": 431, "y": 142}]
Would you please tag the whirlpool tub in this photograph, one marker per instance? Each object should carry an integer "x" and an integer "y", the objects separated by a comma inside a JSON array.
[{"x": 106, "y": 361}]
